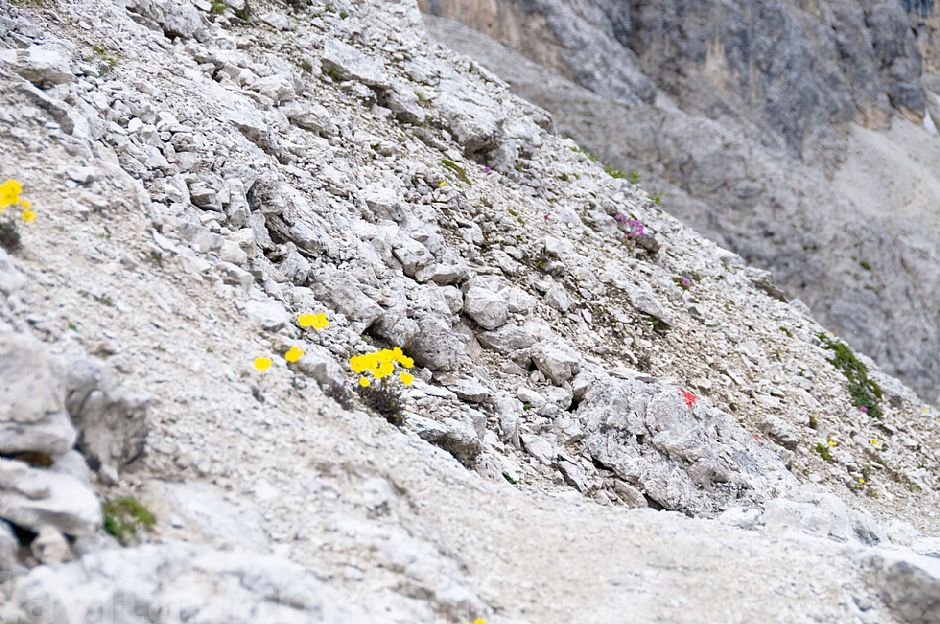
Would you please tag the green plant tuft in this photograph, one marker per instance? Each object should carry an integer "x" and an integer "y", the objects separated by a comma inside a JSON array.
[
  {"x": 126, "y": 518},
  {"x": 864, "y": 391},
  {"x": 616, "y": 174},
  {"x": 457, "y": 170},
  {"x": 823, "y": 451}
]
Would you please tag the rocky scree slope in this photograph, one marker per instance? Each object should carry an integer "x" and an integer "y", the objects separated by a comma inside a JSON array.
[
  {"x": 754, "y": 120},
  {"x": 204, "y": 177}
]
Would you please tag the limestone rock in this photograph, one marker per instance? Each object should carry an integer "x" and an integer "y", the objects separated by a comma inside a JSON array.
[
  {"x": 909, "y": 584},
  {"x": 343, "y": 294},
  {"x": 112, "y": 422},
  {"x": 486, "y": 308},
  {"x": 558, "y": 363},
  {"x": 32, "y": 415},
  {"x": 159, "y": 579},
  {"x": 33, "y": 498},
  {"x": 435, "y": 346},
  {"x": 351, "y": 64},
  {"x": 43, "y": 65}
]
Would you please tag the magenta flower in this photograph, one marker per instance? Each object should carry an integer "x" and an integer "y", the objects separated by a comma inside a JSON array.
[
  {"x": 863, "y": 409},
  {"x": 546, "y": 216},
  {"x": 487, "y": 169},
  {"x": 685, "y": 281}
]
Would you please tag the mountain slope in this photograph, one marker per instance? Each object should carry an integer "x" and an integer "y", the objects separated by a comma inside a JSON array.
[
  {"x": 749, "y": 125},
  {"x": 203, "y": 179}
]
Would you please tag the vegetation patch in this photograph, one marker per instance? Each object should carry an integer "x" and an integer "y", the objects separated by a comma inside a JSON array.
[
  {"x": 126, "y": 518},
  {"x": 457, "y": 170},
  {"x": 617, "y": 174},
  {"x": 823, "y": 451},
  {"x": 865, "y": 393}
]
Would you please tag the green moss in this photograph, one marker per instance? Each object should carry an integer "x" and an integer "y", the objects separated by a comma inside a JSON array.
[
  {"x": 865, "y": 265},
  {"x": 125, "y": 518},
  {"x": 823, "y": 451},
  {"x": 787, "y": 331},
  {"x": 218, "y": 8},
  {"x": 509, "y": 478},
  {"x": 457, "y": 170},
  {"x": 863, "y": 391}
]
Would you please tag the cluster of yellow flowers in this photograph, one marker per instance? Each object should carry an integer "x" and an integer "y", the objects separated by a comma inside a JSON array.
[
  {"x": 381, "y": 364},
  {"x": 10, "y": 196},
  {"x": 317, "y": 321}
]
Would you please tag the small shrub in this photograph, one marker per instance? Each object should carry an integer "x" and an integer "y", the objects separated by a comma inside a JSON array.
[
  {"x": 633, "y": 177},
  {"x": 787, "y": 331},
  {"x": 865, "y": 393},
  {"x": 376, "y": 387},
  {"x": 126, "y": 518},
  {"x": 10, "y": 198},
  {"x": 218, "y": 7}
]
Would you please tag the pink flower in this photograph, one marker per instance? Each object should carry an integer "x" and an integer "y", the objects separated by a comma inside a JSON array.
[
  {"x": 690, "y": 399},
  {"x": 487, "y": 169},
  {"x": 546, "y": 216},
  {"x": 863, "y": 409}
]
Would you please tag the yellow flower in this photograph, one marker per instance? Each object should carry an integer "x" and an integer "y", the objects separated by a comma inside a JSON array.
[
  {"x": 406, "y": 378},
  {"x": 10, "y": 193},
  {"x": 443, "y": 182},
  {"x": 364, "y": 382},
  {"x": 361, "y": 363},
  {"x": 479, "y": 621},
  {"x": 316, "y": 321},
  {"x": 862, "y": 481},
  {"x": 262, "y": 364},
  {"x": 293, "y": 354},
  {"x": 29, "y": 215},
  {"x": 874, "y": 441},
  {"x": 385, "y": 369},
  {"x": 832, "y": 442}
]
